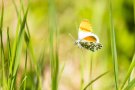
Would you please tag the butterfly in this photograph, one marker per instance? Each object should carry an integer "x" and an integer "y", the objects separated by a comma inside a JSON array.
[{"x": 86, "y": 38}]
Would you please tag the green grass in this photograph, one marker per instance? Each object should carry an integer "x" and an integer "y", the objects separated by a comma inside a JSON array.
[
  {"x": 29, "y": 47},
  {"x": 113, "y": 45},
  {"x": 25, "y": 72},
  {"x": 130, "y": 85},
  {"x": 15, "y": 58},
  {"x": 3, "y": 58},
  {"x": 54, "y": 60},
  {"x": 8, "y": 45},
  {"x": 91, "y": 62},
  {"x": 132, "y": 65},
  {"x": 82, "y": 70},
  {"x": 134, "y": 10},
  {"x": 10, "y": 60},
  {"x": 92, "y": 81},
  {"x": 14, "y": 53}
]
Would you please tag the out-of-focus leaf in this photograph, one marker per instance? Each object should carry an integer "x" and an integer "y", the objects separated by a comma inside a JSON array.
[{"x": 130, "y": 85}]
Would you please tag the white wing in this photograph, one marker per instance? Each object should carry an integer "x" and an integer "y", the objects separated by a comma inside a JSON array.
[{"x": 83, "y": 34}]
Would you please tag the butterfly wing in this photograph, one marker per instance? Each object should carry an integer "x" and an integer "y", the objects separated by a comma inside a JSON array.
[
  {"x": 86, "y": 38},
  {"x": 84, "y": 29},
  {"x": 90, "y": 45},
  {"x": 90, "y": 39},
  {"x": 85, "y": 32},
  {"x": 85, "y": 26}
]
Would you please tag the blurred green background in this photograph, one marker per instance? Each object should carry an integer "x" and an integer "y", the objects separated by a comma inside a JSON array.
[{"x": 76, "y": 62}]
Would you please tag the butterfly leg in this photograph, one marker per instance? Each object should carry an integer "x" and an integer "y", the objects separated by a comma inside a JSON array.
[{"x": 78, "y": 43}]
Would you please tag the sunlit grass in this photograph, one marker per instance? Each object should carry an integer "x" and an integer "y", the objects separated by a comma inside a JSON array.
[
  {"x": 82, "y": 71},
  {"x": 132, "y": 82},
  {"x": 94, "y": 80},
  {"x": 134, "y": 10},
  {"x": 15, "y": 53},
  {"x": 54, "y": 60},
  {"x": 3, "y": 58},
  {"x": 15, "y": 59},
  {"x": 32, "y": 78},
  {"x": 91, "y": 62},
  {"x": 113, "y": 45}
]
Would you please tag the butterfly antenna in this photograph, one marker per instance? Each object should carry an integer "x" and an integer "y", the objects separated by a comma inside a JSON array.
[{"x": 71, "y": 36}]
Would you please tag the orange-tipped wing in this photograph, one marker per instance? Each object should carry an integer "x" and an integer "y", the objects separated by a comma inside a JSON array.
[
  {"x": 90, "y": 39},
  {"x": 85, "y": 26}
]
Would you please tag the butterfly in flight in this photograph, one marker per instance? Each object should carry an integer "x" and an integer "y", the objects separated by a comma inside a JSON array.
[{"x": 86, "y": 38}]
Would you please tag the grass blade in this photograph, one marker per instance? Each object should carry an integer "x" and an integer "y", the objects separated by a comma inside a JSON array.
[
  {"x": 91, "y": 62},
  {"x": 19, "y": 41},
  {"x": 134, "y": 10},
  {"x": 131, "y": 85},
  {"x": 54, "y": 59},
  {"x": 9, "y": 45},
  {"x": 132, "y": 65},
  {"x": 23, "y": 81},
  {"x": 61, "y": 71},
  {"x": 30, "y": 48},
  {"x": 82, "y": 70},
  {"x": 19, "y": 16},
  {"x": 17, "y": 52},
  {"x": 4, "y": 83},
  {"x": 9, "y": 50},
  {"x": 94, "y": 80},
  {"x": 113, "y": 45},
  {"x": 25, "y": 69},
  {"x": 1, "y": 35},
  {"x": 22, "y": 6}
]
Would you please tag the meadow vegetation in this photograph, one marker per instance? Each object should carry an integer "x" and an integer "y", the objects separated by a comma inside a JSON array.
[{"x": 37, "y": 50}]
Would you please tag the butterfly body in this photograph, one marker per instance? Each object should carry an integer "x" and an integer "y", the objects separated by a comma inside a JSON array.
[{"x": 86, "y": 38}]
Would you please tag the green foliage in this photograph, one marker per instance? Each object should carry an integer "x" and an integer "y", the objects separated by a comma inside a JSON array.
[
  {"x": 4, "y": 83},
  {"x": 41, "y": 44},
  {"x": 15, "y": 59},
  {"x": 113, "y": 45},
  {"x": 54, "y": 60},
  {"x": 131, "y": 85},
  {"x": 132, "y": 65},
  {"x": 92, "y": 81}
]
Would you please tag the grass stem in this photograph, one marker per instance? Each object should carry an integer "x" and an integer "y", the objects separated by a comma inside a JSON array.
[{"x": 113, "y": 45}]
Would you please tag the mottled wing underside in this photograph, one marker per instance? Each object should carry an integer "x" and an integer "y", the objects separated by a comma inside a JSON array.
[{"x": 93, "y": 46}]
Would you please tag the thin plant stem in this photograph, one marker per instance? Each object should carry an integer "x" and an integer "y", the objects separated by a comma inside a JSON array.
[
  {"x": 113, "y": 45},
  {"x": 2, "y": 47},
  {"x": 132, "y": 65},
  {"x": 82, "y": 69},
  {"x": 24, "y": 88},
  {"x": 54, "y": 60},
  {"x": 92, "y": 81},
  {"x": 91, "y": 62}
]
